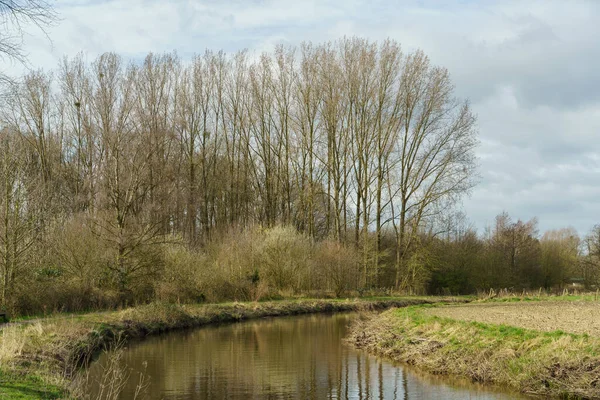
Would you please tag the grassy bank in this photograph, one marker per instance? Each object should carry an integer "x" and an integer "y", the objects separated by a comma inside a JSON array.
[
  {"x": 40, "y": 358},
  {"x": 552, "y": 364}
]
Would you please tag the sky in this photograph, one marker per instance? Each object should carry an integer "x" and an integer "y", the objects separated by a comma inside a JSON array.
[{"x": 531, "y": 70}]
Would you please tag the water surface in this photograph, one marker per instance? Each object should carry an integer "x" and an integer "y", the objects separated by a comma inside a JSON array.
[{"x": 301, "y": 357}]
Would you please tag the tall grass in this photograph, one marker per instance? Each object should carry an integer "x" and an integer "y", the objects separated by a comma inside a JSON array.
[
  {"x": 112, "y": 379},
  {"x": 11, "y": 344}
]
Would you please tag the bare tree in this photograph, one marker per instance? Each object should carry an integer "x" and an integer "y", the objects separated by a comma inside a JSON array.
[
  {"x": 81, "y": 152},
  {"x": 20, "y": 215},
  {"x": 15, "y": 16},
  {"x": 236, "y": 145},
  {"x": 125, "y": 221},
  {"x": 190, "y": 129},
  {"x": 338, "y": 140},
  {"x": 262, "y": 140},
  {"x": 435, "y": 148},
  {"x": 388, "y": 122},
  {"x": 307, "y": 124},
  {"x": 31, "y": 106},
  {"x": 154, "y": 84}
]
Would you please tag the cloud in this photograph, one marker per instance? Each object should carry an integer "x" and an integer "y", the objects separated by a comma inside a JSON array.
[{"x": 530, "y": 70}]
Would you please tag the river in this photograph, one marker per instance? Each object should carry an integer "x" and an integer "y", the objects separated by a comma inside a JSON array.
[{"x": 302, "y": 357}]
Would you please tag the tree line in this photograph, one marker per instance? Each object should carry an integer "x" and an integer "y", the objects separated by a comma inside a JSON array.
[
  {"x": 513, "y": 255},
  {"x": 127, "y": 181}
]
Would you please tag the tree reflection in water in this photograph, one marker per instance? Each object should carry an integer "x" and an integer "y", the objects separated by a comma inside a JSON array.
[{"x": 300, "y": 357}]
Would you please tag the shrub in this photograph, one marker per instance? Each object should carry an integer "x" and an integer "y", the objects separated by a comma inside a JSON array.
[
  {"x": 339, "y": 266},
  {"x": 234, "y": 273},
  {"x": 181, "y": 280},
  {"x": 285, "y": 257}
]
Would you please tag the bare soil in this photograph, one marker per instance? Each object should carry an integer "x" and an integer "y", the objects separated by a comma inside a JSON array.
[{"x": 573, "y": 317}]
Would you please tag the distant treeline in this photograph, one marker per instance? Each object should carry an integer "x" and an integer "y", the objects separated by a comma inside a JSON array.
[
  {"x": 127, "y": 182},
  {"x": 514, "y": 256}
]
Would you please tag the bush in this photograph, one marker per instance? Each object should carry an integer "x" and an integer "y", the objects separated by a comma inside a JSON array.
[
  {"x": 234, "y": 273},
  {"x": 79, "y": 254},
  {"x": 71, "y": 270},
  {"x": 181, "y": 280},
  {"x": 285, "y": 257},
  {"x": 339, "y": 266}
]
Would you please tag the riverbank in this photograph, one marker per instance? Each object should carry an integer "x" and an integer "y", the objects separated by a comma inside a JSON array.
[
  {"x": 39, "y": 359},
  {"x": 547, "y": 363}
]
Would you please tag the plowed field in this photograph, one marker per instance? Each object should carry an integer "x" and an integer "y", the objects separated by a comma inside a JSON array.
[{"x": 573, "y": 317}]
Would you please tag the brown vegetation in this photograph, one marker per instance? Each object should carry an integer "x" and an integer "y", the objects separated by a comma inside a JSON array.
[{"x": 116, "y": 174}]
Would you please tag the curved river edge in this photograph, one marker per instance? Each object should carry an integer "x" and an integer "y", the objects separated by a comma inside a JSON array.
[
  {"x": 41, "y": 359},
  {"x": 550, "y": 364}
]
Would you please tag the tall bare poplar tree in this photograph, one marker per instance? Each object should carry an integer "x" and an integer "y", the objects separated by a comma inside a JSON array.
[{"x": 435, "y": 148}]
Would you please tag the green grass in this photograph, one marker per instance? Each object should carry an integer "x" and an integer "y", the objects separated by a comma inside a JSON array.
[{"x": 28, "y": 387}]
